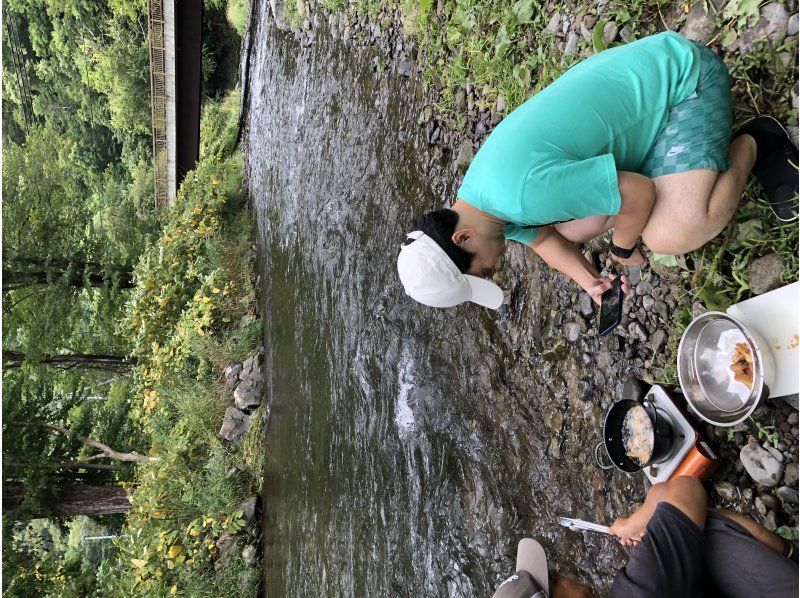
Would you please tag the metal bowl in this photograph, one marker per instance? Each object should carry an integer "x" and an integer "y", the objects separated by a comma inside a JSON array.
[{"x": 703, "y": 369}]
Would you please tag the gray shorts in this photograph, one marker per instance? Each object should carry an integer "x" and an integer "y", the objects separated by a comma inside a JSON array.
[
  {"x": 675, "y": 559},
  {"x": 698, "y": 130}
]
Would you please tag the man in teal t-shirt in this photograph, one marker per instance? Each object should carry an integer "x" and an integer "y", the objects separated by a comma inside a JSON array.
[{"x": 636, "y": 138}]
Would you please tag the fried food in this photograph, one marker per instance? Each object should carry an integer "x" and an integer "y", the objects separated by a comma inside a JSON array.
[
  {"x": 742, "y": 365},
  {"x": 637, "y": 435}
]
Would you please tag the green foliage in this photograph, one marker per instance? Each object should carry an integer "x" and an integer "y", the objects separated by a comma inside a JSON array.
[{"x": 236, "y": 11}]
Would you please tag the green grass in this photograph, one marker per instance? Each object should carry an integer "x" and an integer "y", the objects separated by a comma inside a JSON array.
[{"x": 236, "y": 11}]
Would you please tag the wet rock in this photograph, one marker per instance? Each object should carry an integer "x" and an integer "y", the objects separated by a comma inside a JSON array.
[
  {"x": 426, "y": 115},
  {"x": 249, "y": 555},
  {"x": 763, "y": 466},
  {"x": 788, "y": 494},
  {"x": 727, "y": 491},
  {"x": 555, "y": 351},
  {"x": 231, "y": 373},
  {"x": 465, "y": 154},
  {"x": 405, "y": 67},
  {"x": 248, "y": 394},
  {"x": 248, "y": 508},
  {"x": 586, "y": 390},
  {"x": 572, "y": 331},
  {"x": 764, "y": 273},
  {"x": 235, "y": 425},
  {"x": 586, "y": 305},
  {"x": 699, "y": 24},
  {"x": 610, "y": 31},
  {"x": 790, "y": 475}
]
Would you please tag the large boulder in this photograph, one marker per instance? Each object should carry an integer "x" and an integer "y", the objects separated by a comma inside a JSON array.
[
  {"x": 248, "y": 394},
  {"x": 772, "y": 25},
  {"x": 700, "y": 23},
  {"x": 763, "y": 463}
]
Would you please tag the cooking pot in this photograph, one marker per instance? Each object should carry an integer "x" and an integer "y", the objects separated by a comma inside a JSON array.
[{"x": 663, "y": 437}]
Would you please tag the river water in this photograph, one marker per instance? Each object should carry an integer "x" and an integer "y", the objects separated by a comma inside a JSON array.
[{"x": 409, "y": 449}]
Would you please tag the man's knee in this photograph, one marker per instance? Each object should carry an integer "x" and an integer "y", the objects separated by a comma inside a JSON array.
[
  {"x": 685, "y": 494},
  {"x": 675, "y": 242}
]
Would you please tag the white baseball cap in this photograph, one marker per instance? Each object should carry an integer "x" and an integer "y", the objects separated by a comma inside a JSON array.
[{"x": 430, "y": 277}]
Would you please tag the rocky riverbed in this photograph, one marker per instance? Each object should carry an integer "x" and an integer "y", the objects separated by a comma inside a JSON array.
[{"x": 547, "y": 321}]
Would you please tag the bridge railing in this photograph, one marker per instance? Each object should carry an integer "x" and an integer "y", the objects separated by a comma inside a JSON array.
[{"x": 158, "y": 97}]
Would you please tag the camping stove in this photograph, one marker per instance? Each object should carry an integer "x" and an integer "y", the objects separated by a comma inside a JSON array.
[{"x": 691, "y": 454}]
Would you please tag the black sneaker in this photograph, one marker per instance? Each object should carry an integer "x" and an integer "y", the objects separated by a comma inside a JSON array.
[{"x": 776, "y": 165}]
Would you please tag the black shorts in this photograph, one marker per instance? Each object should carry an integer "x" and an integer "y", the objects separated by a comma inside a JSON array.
[{"x": 675, "y": 560}]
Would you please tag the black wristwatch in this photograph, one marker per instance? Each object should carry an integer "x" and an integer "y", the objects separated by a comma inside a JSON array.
[{"x": 621, "y": 252}]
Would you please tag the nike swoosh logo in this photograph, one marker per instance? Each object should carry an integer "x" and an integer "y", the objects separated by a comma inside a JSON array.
[{"x": 674, "y": 151}]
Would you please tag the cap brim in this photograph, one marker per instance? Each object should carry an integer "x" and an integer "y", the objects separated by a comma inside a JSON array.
[
  {"x": 484, "y": 292},
  {"x": 531, "y": 558}
]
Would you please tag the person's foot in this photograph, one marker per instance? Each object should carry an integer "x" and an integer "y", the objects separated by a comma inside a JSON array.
[{"x": 776, "y": 164}]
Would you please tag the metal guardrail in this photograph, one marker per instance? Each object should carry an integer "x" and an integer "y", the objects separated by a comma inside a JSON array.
[{"x": 158, "y": 98}]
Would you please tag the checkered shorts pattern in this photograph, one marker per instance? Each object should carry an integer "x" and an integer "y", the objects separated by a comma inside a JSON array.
[{"x": 698, "y": 130}]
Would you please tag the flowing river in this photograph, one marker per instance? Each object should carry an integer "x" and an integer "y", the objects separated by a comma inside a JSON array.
[{"x": 409, "y": 449}]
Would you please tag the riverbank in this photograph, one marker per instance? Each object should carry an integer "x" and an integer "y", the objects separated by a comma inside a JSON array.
[{"x": 505, "y": 53}]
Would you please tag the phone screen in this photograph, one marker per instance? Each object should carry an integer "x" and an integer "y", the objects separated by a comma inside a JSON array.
[{"x": 611, "y": 307}]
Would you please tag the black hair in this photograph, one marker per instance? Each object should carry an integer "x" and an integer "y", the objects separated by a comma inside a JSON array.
[{"x": 440, "y": 225}]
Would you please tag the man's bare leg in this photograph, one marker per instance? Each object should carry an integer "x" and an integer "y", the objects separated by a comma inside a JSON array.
[
  {"x": 581, "y": 231},
  {"x": 693, "y": 207},
  {"x": 760, "y": 533}
]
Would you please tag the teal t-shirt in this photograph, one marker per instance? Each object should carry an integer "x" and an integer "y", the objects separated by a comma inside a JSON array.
[{"x": 556, "y": 157}]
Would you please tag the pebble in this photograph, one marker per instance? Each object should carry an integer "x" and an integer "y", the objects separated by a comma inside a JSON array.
[
  {"x": 770, "y": 521},
  {"x": 760, "y": 506},
  {"x": 761, "y": 464},
  {"x": 586, "y": 305},
  {"x": 792, "y": 27},
  {"x": 572, "y": 44},
  {"x": 572, "y": 330},
  {"x": 610, "y": 31},
  {"x": 648, "y": 302},
  {"x": 792, "y": 419},
  {"x": 790, "y": 475},
  {"x": 769, "y": 501},
  {"x": 726, "y": 490},
  {"x": 788, "y": 494},
  {"x": 644, "y": 288}
]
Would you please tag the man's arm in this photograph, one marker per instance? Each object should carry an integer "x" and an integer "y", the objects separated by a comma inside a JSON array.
[
  {"x": 638, "y": 194},
  {"x": 564, "y": 256}
]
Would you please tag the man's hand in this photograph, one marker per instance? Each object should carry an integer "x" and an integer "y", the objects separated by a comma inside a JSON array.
[
  {"x": 629, "y": 533},
  {"x": 637, "y": 258},
  {"x": 601, "y": 285}
]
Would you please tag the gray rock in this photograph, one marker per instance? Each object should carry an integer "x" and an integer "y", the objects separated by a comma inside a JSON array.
[
  {"x": 648, "y": 302},
  {"x": 405, "y": 67},
  {"x": 658, "y": 340},
  {"x": 586, "y": 305},
  {"x": 235, "y": 425},
  {"x": 765, "y": 273},
  {"x": 772, "y": 25},
  {"x": 699, "y": 25},
  {"x": 791, "y": 400},
  {"x": 792, "y": 26},
  {"x": 465, "y": 154},
  {"x": 770, "y": 522},
  {"x": 226, "y": 545},
  {"x": 788, "y": 494},
  {"x": 626, "y": 33},
  {"x": 231, "y": 373},
  {"x": 761, "y": 464},
  {"x": 793, "y": 131},
  {"x": 248, "y": 394},
  {"x": 760, "y": 506},
  {"x": 644, "y": 288},
  {"x": 425, "y": 116},
  {"x": 769, "y": 501},
  {"x": 251, "y": 368},
  {"x": 500, "y": 105},
  {"x": 248, "y": 508},
  {"x": 790, "y": 475},
  {"x": 727, "y": 491},
  {"x": 636, "y": 331},
  {"x": 572, "y": 44},
  {"x": 610, "y": 31},
  {"x": 634, "y": 274},
  {"x": 572, "y": 331},
  {"x": 554, "y": 25},
  {"x": 460, "y": 100},
  {"x": 249, "y": 555}
]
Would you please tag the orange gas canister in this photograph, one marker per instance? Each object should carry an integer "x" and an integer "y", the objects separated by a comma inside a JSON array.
[{"x": 700, "y": 462}]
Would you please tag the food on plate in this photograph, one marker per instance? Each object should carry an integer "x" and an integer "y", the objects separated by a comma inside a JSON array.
[
  {"x": 637, "y": 435},
  {"x": 742, "y": 366}
]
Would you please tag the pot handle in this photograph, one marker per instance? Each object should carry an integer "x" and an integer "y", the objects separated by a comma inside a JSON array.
[{"x": 598, "y": 459}]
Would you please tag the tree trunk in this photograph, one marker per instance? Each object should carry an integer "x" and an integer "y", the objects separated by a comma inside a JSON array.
[
  {"x": 71, "y": 501},
  {"x": 69, "y": 361}
]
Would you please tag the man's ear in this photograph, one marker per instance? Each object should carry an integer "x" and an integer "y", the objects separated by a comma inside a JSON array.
[{"x": 462, "y": 236}]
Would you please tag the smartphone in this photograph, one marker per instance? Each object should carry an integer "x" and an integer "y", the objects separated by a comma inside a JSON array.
[{"x": 611, "y": 307}]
